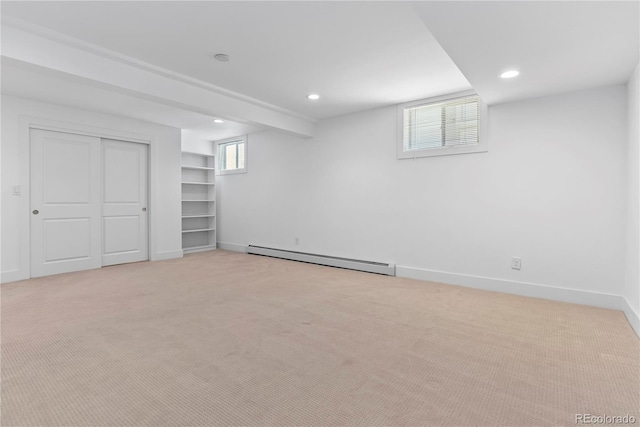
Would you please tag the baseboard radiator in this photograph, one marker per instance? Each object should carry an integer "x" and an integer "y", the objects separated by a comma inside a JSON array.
[{"x": 351, "y": 264}]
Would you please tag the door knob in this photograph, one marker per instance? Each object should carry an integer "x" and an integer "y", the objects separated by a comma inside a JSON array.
[
  {"x": 144, "y": 209},
  {"x": 36, "y": 211}
]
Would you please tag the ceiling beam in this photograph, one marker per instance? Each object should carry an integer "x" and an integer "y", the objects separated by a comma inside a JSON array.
[{"x": 47, "y": 50}]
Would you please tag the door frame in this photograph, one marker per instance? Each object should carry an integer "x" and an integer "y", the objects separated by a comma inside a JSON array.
[{"x": 26, "y": 124}]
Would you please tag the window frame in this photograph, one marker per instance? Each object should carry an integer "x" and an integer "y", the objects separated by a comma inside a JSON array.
[
  {"x": 481, "y": 147},
  {"x": 219, "y": 149}
]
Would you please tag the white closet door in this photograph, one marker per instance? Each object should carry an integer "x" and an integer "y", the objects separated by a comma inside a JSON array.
[
  {"x": 125, "y": 235},
  {"x": 65, "y": 202}
]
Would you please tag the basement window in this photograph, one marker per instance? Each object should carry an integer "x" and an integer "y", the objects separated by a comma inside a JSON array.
[
  {"x": 440, "y": 126},
  {"x": 232, "y": 155}
]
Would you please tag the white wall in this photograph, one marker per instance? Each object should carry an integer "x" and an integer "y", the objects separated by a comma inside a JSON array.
[
  {"x": 263, "y": 202},
  {"x": 632, "y": 291},
  {"x": 193, "y": 142},
  {"x": 164, "y": 211},
  {"x": 551, "y": 190}
]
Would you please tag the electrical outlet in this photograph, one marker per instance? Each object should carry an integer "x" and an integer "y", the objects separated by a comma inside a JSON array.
[
  {"x": 516, "y": 263},
  {"x": 297, "y": 241},
  {"x": 16, "y": 191}
]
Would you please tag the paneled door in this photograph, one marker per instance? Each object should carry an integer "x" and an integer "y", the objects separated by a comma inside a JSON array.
[
  {"x": 125, "y": 234},
  {"x": 65, "y": 202}
]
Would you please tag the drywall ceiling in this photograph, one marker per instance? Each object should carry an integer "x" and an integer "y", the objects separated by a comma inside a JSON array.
[
  {"x": 30, "y": 82},
  {"x": 558, "y": 46},
  {"x": 356, "y": 55}
]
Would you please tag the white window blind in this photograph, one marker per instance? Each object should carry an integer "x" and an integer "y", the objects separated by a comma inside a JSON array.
[{"x": 449, "y": 123}]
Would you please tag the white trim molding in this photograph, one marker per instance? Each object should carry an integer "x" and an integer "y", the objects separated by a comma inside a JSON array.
[
  {"x": 632, "y": 316},
  {"x": 13, "y": 276},
  {"x": 234, "y": 247},
  {"x": 574, "y": 296},
  {"x": 161, "y": 256}
]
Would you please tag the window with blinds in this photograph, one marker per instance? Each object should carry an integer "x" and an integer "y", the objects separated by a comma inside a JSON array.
[{"x": 444, "y": 126}]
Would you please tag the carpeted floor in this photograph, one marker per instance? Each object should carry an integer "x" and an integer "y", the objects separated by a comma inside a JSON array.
[{"x": 227, "y": 339}]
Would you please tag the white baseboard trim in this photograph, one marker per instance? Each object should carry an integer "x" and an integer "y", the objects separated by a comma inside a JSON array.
[
  {"x": 575, "y": 296},
  {"x": 16, "y": 275},
  {"x": 13, "y": 276},
  {"x": 632, "y": 316},
  {"x": 232, "y": 247},
  {"x": 159, "y": 256}
]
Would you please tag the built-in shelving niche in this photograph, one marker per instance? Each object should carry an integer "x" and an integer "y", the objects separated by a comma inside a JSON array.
[{"x": 198, "y": 202}]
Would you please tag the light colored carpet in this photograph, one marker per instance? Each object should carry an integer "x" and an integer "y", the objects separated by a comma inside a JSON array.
[{"x": 224, "y": 339}]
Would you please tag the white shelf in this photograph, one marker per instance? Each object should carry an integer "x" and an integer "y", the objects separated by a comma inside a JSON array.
[
  {"x": 198, "y": 230},
  {"x": 198, "y": 183},
  {"x": 197, "y": 154},
  {"x": 189, "y": 249},
  {"x": 198, "y": 201},
  {"x": 198, "y": 168}
]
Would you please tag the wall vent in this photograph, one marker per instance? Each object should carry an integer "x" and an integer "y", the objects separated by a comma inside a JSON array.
[{"x": 351, "y": 264}]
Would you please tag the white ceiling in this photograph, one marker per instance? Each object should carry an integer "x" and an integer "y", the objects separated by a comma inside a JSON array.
[
  {"x": 356, "y": 55},
  {"x": 558, "y": 46},
  {"x": 58, "y": 88}
]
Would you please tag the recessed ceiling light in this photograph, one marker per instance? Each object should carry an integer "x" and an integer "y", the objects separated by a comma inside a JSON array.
[
  {"x": 313, "y": 96},
  {"x": 222, "y": 57},
  {"x": 509, "y": 74},
  {"x": 218, "y": 121}
]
